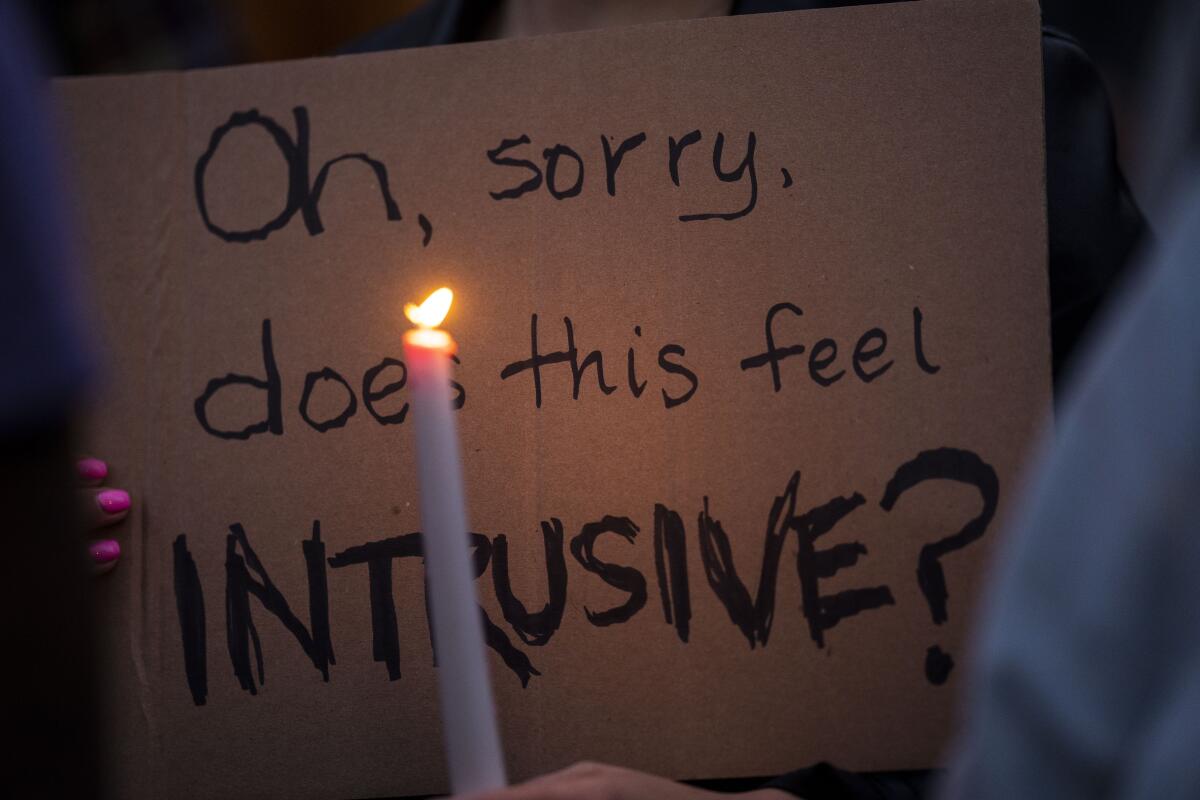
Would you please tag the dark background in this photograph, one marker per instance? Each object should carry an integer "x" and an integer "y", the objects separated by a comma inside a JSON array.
[{"x": 85, "y": 37}]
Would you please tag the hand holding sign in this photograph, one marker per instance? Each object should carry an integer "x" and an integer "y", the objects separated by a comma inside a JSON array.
[{"x": 104, "y": 507}]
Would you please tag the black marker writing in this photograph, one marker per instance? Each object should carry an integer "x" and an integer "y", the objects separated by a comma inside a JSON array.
[
  {"x": 825, "y": 611},
  {"x": 747, "y": 165},
  {"x": 753, "y": 614},
  {"x": 553, "y": 155},
  {"x": 189, "y": 602},
  {"x": 534, "y": 628},
  {"x": 945, "y": 463},
  {"x": 273, "y": 422},
  {"x": 635, "y": 388},
  {"x": 627, "y": 579},
  {"x": 310, "y": 383},
  {"x": 822, "y": 359},
  {"x": 612, "y": 161},
  {"x": 315, "y": 382},
  {"x": 371, "y": 395},
  {"x": 676, "y": 368},
  {"x": 300, "y": 195},
  {"x": 773, "y": 355},
  {"x": 538, "y": 360},
  {"x": 563, "y": 185},
  {"x": 529, "y": 184},
  {"x": 378, "y": 556},
  {"x": 240, "y": 630},
  {"x": 670, "y": 563},
  {"x": 721, "y": 573},
  {"x": 919, "y": 345},
  {"x": 865, "y": 351},
  {"x": 669, "y": 356},
  {"x": 675, "y": 150},
  {"x": 385, "y": 638}
]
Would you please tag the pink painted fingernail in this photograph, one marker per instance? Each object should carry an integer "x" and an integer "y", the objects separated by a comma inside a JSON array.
[
  {"x": 91, "y": 469},
  {"x": 113, "y": 501},
  {"x": 105, "y": 551}
]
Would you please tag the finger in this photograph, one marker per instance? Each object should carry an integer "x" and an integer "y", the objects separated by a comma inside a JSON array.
[
  {"x": 526, "y": 791},
  {"x": 91, "y": 471},
  {"x": 103, "y": 555},
  {"x": 545, "y": 787},
  {"x": 578, "y": 782},
  {"x": 103, "y": 507}
]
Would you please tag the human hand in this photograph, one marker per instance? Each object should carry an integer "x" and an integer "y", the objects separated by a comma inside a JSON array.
[
  {"x": 588, "y": 781},
  {"x": 103, "y": 507}
]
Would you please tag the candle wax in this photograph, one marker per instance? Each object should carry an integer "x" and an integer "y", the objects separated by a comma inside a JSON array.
[{"x": 468, "y": 711}]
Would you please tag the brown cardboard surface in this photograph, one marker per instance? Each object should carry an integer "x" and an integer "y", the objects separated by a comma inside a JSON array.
[{"x": 897, "y": 165}]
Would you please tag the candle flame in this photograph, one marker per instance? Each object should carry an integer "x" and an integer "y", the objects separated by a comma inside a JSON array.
[{"x": 432, "y": 311}]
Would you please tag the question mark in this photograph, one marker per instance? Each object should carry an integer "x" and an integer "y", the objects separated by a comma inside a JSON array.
[{"x": 945, "y": 463}]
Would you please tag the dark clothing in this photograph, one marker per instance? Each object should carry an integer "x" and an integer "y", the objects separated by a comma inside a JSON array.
[
  {"x": 47, "y": 696},
  {"x": 1086, "y": 677},
  {"x": 1093, "y": 220},
  {"x": 1093, "y": 226},
  {"x": 42, "y": 348},
  {"x": 826, "y": 782}
]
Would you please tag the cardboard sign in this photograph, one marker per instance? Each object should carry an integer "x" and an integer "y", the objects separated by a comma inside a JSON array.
[{"x": 753, "y": 333}]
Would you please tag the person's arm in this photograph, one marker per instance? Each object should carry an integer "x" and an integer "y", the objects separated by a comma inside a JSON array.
[
  {"x": 588, "y": 781},
  {"x": 1091, "y": 631}
]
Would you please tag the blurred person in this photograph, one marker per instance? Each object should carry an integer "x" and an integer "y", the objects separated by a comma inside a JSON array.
[
  {"x": 45, "y": 669},
  {"x": 1087, "y": 678}
]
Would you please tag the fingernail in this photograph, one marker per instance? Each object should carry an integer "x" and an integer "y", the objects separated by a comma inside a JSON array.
[
  {"x": 105, "y": 551},
  {"x": 113, "y": 501},
  {"x": 91, "y": 469}
]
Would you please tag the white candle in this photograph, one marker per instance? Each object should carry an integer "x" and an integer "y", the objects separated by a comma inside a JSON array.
[{"x": 468, "y": 713}]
